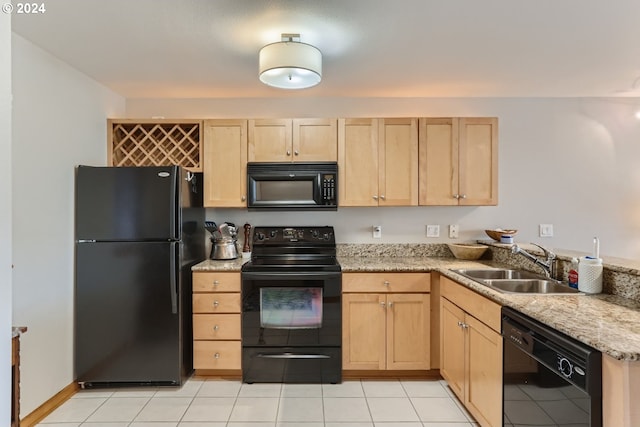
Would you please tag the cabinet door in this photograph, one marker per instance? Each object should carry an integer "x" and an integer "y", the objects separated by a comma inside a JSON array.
[
  {"x": 478, "y": 144},
  {"x": 358, "y": 162},
  {"x": 452, "y": 347},
  {"x": 408, "y": 336},
  {"x": 315, "y": 140},
  {"x": 484, "y": 373},
  {"x": 398, "y": 157},
  {"x": 363, "y": 331},
  {"x": 270, "y": 140},
  {"x": 438, "y": 163},
  {"x": 225, "y": 163}
]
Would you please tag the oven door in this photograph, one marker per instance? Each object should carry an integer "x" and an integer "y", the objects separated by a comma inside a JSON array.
[{"x": 291, "y": 327}]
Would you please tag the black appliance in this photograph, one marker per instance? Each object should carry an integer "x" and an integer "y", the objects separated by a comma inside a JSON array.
[
  {"x": 549, "y": 378},
  {"x": 138, "y": 231},
  {"x": 292, "y": 307},
  {"x": 292, "y": 186}
]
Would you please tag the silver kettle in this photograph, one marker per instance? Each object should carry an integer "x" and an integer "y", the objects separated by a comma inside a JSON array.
[
  {"x": 224, "y": 242},
  {"x": 224, "y": 249}
]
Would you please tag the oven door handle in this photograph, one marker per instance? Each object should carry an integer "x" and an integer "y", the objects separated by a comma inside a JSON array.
[
  {"x": 267, "y": 275},
  {"x": 292, "y": 356}
]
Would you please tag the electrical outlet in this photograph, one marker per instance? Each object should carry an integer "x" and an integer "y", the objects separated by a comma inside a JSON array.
[
  {"x": 546, "y": 230},
  {"x": 433, "y": 231},
  {"x": 377, "y": 231},
  {"x": 453, "y": 231}
]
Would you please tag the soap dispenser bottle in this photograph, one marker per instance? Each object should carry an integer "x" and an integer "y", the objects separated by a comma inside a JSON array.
[{"x": 573, "y": 273}]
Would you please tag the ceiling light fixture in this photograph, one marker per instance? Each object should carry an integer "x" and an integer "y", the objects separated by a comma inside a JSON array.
[{"x": 289, "y": 64}]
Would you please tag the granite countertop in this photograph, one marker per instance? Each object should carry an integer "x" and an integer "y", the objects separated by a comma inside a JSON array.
[
  {"x": 608, "y": 323},
  {"x": 220, "y": 265}
]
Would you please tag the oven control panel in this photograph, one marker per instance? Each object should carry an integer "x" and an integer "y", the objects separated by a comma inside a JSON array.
[{"x": 292, "y": 235}]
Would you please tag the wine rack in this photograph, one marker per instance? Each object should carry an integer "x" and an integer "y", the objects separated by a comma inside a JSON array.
[{"x": 155, "y": 143}]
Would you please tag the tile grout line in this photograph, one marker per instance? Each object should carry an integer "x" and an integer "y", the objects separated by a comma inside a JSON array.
[{"x": 193, "y": 398}]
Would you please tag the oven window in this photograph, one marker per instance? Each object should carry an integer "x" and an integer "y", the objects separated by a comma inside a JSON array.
[
  {"x": 291, "y": 308},
  {"x": 273, "y": 191}
]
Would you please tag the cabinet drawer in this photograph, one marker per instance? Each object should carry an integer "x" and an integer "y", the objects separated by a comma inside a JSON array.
[
  {"x": 386, "y": 282},
  {"x": 216, "y": 282},
  {"x": 216, "y": 303},
  {"x": 217, "y": 355},
  {"x": 482, "y": 308},
  {"x": 216, "y": 327}
]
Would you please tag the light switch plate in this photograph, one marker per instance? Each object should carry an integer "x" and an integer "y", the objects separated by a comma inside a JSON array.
[
  {"x": 453, "y": 231},
  {"x": 377, "y": 231},
  {"x": 433, "y": 231},
  {"x": 546, "y": 230}
]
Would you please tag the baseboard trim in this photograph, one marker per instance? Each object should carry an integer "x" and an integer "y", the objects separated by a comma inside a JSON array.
[
  {"x": 354, "y": 374},
  {"x": 49, "y": 406}
]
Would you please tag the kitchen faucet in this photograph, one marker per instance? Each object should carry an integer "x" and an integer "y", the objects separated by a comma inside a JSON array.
[{"x": 548, "y": 266}]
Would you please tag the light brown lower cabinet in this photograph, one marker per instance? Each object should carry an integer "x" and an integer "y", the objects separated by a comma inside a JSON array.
[
  {"x": 386, "y": 321},
  {"x": 471, "y": 351},
  {"x": 216, "y": 321}
]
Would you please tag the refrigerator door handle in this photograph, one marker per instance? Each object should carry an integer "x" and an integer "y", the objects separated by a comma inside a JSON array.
[{"x": 174, "y": 280}]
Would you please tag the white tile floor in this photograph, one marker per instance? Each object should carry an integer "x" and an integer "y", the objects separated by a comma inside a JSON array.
[{"x": 220, "y": 403}]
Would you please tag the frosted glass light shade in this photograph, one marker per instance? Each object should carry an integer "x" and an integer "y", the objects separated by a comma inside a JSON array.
[{"x": 290, "y": 65}]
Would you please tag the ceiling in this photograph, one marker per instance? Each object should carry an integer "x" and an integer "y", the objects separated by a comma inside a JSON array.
[{"x": 371, "y": 48}]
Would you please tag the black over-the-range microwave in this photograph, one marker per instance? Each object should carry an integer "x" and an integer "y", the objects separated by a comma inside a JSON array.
[{"x": 292, "y": 186}]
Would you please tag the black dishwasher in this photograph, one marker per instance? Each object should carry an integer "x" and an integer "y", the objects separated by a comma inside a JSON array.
[{"x": 549, "y": 378}]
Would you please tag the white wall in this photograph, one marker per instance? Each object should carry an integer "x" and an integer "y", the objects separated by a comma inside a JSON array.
[
  {"x": 572, "y": 163},
  {"x": 59, "y": 121},
  {"x": 5, "y": 219}
]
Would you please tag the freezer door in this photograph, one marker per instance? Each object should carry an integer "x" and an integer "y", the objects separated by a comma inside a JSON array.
[
  {"x": 128, "y": 203},
  {"x": 130, "y": 321}
]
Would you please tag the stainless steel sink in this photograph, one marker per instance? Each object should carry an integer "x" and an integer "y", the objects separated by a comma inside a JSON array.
[
  {"x": 486, "y": 274},
  {"x": 517, "y": 281},
  {"x": 531, "y": 286}
]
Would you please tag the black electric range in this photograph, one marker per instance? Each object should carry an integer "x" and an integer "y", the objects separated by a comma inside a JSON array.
[{"x": 291, "y": 307}]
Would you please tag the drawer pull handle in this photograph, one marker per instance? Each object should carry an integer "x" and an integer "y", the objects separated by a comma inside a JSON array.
[
  {"x": 216, "y": 356},
  {"x": 382, "y": 304},
  {"x": 390, "y": 304},
  {"x": 216, "y": 303},
  {"x": 216, "y": 282},
  {"x": 216, "y": 327},
  {"x": 386, "y": 283}
]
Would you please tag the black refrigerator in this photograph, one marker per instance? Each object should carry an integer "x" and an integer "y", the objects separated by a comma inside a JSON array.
[{"x": 138, "y": 232}]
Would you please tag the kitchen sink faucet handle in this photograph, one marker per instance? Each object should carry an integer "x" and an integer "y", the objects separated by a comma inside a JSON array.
[{"x": 547, "y": 253}]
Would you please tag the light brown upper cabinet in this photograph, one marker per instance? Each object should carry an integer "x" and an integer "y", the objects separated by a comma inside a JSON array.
[
  {"x": 293, "y": 140},
  {"x": 225, "y": 163},
  {"x": 378, "y": 162},
  {"x": 459, "y": 161}
]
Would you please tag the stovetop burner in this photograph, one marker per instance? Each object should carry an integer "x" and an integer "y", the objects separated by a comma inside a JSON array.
[{"x": 293, "y": 248}]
